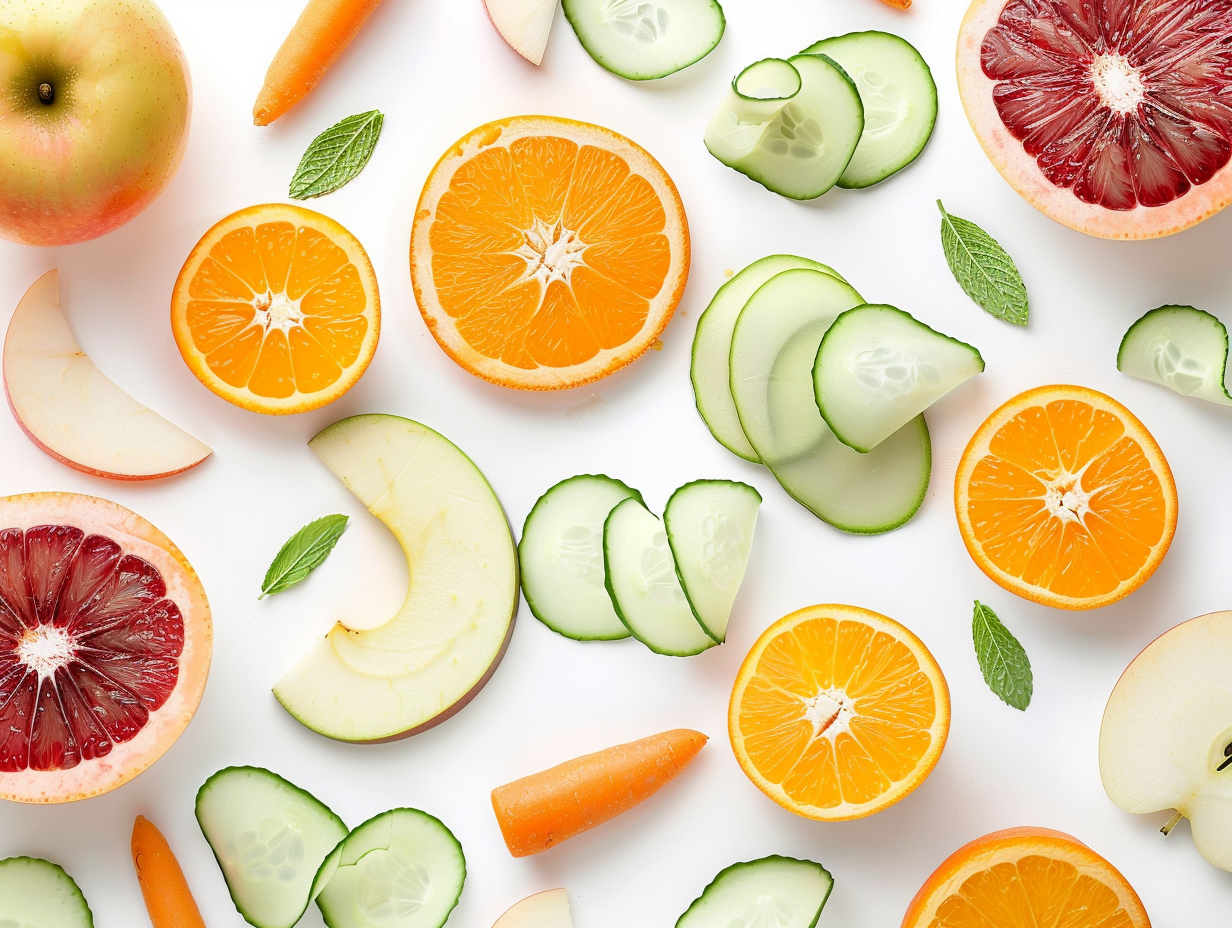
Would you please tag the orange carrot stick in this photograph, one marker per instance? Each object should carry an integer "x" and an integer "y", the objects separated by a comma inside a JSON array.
[
  {"x": 541, "y": 810},
  {"x": 167, "y": 896},
  {"x": 318, "y": 37}
]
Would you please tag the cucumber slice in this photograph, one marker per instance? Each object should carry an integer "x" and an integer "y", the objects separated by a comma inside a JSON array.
[
  {"x": 878, "y": 368},
  {"x": 1181, "y": 348},
  {"x": 899, "y": 97},
  {"x": 773, "y": 349},
  {"x": 709, "y": 526},
  {"x": 775, "y": 891},
  {"x": 561, "y": 554},
  {"x": 401, "y": 868},
  {"x": 791, "y": 125},
  {"x": 35, "y": 893},
  {"x": 643, "y": 40},
  {"x": 640, "y": 575},
  {"x": 270, "y": 838},
  {"x": 710, "y": 372}
]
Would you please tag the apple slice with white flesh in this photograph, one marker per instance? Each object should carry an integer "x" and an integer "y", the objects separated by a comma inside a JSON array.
[
  {"x": 543, "y": 910},
  {"x": 70, "y": 408},
  {"x": 1166, "y": 737},
  {"x": 435, "y": 654},
  {"x": 524, "y": 24}
]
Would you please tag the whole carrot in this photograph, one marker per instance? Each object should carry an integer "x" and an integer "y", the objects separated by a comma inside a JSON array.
[
  {"x": 318, "y": 37},
  {"x": 541, "y": 810},
  {"x": 167, "y": 896}
]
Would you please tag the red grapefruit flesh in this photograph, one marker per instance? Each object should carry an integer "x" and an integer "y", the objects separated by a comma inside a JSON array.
[
  {"x": 105, "y": 640},
  {"x": 1113, "y": 118}
]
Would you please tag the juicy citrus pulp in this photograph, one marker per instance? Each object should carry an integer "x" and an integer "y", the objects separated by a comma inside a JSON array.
[
  {"x": 1026, "y": 878},
  {"x": 277, "y": 309},
  {"x": 547, "y": 253},
  {"x": 1064, "y": 498},
  {"x": 838, "y": 712}
]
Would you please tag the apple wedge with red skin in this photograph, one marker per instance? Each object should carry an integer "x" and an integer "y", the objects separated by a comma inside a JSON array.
[
  {"x": 72, "y": 410},
  {"x": 524, "y": 24},
  {"x": 543, "y": 910},
  {"x": 1166, "y": 738}
]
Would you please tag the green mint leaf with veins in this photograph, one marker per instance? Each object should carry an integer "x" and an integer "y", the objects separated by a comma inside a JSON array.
[
  {"x": 983, "y": 269},
  {"x": 337, "y": 155},
  {"x": 305, "y": 552},
  {"x": 1004, "y": 663}
]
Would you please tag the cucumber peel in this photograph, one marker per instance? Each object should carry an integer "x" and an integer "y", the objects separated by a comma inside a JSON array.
[{"x": 1181, "y": 348}]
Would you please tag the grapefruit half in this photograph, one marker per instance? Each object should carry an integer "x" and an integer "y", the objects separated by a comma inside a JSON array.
[
  {"x": 1114, "y": 119},
  {"x": 105, "y": 640}
]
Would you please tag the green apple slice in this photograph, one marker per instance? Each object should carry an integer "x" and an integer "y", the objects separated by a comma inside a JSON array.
[{"x": 443, "y": 644}]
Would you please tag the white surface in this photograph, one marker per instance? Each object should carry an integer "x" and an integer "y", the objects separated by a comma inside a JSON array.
[{"x": 437, "y": 69}]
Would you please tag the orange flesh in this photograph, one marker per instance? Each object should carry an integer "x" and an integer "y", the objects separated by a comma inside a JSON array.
[{"x": 546, "y": 252}]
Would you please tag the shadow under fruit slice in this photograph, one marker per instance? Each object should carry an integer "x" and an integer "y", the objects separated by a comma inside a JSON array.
[{"x": 105, "y": 641}]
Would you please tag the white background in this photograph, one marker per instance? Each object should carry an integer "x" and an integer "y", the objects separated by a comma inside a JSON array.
[{"x": 437, "y": 69}]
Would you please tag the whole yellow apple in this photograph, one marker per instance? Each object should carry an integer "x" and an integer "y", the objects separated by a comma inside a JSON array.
[{"x": 94, "y": 106}]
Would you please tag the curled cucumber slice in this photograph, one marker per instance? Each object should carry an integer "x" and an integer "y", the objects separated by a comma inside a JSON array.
[
  {"x": 39, "y": 894},
  {"x": 791, "y": 125},
  {"x": 643, "y": 40},
  {"x": 1181, "y": 348}
]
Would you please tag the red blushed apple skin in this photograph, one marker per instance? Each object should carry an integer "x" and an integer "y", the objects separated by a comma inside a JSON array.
[{"x": 117, "y": 132}]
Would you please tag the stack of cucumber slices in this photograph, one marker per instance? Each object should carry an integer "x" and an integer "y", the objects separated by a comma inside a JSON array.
[
  {"x": 280, "y": 848},
  {"x": 792, "y": 369},
  {"x": 598, "y": 565},
  {"x": 849, "y": 110}
]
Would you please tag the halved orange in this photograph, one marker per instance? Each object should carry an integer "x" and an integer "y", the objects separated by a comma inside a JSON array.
[
  {"x": 547, "y": 253},
  {"x": 1064, "y": 498},
  {"x": 1026, "y": 878},
  {"x": 277, "y": 310},
  {"x": 838, "y": 712}
]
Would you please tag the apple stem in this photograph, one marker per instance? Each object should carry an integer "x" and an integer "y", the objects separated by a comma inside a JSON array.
[
  {"x": 1172, "y": 823},
  {"x": 46, "y": 93}
]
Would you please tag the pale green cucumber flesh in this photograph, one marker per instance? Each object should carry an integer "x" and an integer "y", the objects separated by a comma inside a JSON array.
[
  {"x": 709, "y": 371},
  {"x": 640, "y": 574},
  {"x": 561, "y": 557},
  {"x": 774, "y": 347},
  {"x": 1181, "y": 348},
  {"x": 270, "y": 838},
  {"x": 401, "y": 868},
  {"x": 878, "y": 368},
  {"x": 775, "y": 891},
  {"x": 709, "y": 526},
  {"x": 899, "y": 97},
  {"x": 35, "y": 893},
  {"x": 795, "y": 142},
  {"x": 643, "y": 40}
]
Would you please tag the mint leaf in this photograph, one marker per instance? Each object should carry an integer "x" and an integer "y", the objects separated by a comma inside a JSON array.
[
  {"x": 337, "y": 155},
  {"x": 305, "y": 552},
  {"x": 983, "y": 269},
  {"x": 1004, "y": 663}
]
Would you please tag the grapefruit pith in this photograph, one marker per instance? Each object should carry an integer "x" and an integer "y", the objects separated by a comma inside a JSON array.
[
  {"x": 1113, "y": 119},
  {"x": 105, "y": 640}
]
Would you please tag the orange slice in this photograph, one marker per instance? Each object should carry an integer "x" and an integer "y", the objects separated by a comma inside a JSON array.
[
  {"x": 838, "y": 712},
  {"x": 548, "y": 253},
  {"x": 1064, "y": 498},
  {"x": 1026, "y": 878},
  {"x": 276, "y": 309}
]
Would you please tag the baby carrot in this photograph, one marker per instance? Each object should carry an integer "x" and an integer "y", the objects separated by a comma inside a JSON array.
[
  {"x": 541, "y": 810},
  {"x": 318, "y": 37},
  {"x": 167, "y": 896}
]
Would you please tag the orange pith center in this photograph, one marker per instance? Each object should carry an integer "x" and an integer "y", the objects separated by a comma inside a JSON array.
[
  {"x": 1033, "y": 891},
  {"x": 277, "y": 310},
  {"x": 546, "y": 253},
  {"x": 836, "y": 712},
  {"x": 1065, "y": 500}
]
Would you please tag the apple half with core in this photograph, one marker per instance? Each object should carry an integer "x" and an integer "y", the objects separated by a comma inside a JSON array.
[
  {"x": 444, "y": 643},
  {"x": 524, "y": 24},
  {"x": 1166, "y": 738},
  {"x": 70, "y": 408},
  {"x": 94, "y": 108},
  {"x": 543, "y": 910}
]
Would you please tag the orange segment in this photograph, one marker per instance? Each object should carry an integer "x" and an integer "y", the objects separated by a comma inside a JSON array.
[
  {"x": 838, "y": 712},
  {"x": 277, "y": 310},
  {"x": 1026, "y": 878},
  {"x": 1064, "y": 498},
  {"x": 547, "y": 253}
]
